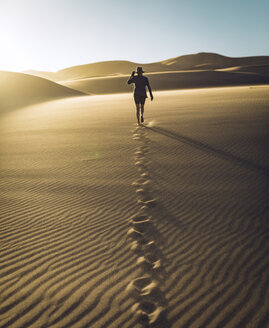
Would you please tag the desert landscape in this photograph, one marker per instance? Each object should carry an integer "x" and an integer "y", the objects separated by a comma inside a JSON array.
[{"x": 108, "y": 224}]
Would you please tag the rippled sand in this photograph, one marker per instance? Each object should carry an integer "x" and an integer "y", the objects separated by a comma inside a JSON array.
[{"x": 106, "y": 224}]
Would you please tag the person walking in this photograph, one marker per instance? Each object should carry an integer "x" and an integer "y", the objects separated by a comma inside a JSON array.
[{"x": 140, "y": 93}]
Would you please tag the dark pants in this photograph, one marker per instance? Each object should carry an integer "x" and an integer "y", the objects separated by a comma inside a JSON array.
[{"x": 139, "y": 99}]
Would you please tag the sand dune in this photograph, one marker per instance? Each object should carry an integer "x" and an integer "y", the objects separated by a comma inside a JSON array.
[
  {"x": 256, "y": 69},
  {"x": 169, "y": 81},
  {"x": 18, "y": 90},
  {"x": 187, "y": 62},
  {"x": 204, "y": 60},
  {"x": 105, "y": 224},
  {"x": 183, "y": 72}
]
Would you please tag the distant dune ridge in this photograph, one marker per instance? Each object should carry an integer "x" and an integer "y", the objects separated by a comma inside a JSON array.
[
  {"x": 108, "y": 77},
  {"x": 186, "y": 62},
  {"x": 18, "y": 89},
  {"x": 188, "y": 71},
  {"x": 168, "y": 81}
]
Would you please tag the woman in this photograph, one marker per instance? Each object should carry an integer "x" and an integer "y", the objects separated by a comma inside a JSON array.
[{"x": 140, "y": 93}]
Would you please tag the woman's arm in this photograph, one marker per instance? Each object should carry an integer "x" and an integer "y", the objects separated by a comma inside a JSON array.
[
  {"x": 149, "y": 88},
  {"x": 131, "y": 79}
]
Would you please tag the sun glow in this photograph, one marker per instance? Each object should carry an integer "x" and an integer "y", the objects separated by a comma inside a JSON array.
[{"x": 51, "y": 35}]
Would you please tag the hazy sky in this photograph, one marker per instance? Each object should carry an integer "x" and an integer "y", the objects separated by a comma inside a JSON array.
[{"x": 54, "y": 34}]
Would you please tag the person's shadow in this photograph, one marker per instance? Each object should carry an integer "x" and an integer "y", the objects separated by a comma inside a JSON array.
[{"x": 257, "y": 168}]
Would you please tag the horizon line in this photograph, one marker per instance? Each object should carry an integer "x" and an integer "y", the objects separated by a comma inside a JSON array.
[{"x": 126, "y": 60}]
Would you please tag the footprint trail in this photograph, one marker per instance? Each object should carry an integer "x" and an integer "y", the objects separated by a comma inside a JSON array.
[{"x": 150, "y": 303}]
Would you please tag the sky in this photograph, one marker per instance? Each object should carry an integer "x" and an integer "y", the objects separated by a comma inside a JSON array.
[{"x": 54, "y": 34}]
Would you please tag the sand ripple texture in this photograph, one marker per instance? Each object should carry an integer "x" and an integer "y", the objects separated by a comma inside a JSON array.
[
  {"x": 163, "y": 225},
  {"x": 66, "y": 198},
  {"x": 209, "y": 168}
]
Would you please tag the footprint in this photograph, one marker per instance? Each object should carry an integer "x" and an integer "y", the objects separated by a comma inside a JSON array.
[
  {"x": 144, "y": 200},
  {"x": 148, "y": 311},
  {"x": 142, "y": 169},
  {"x": 147, "y": 264},
  {"x": 141, "y": 223},
  {"x": 140, "y": 158},
  {"x": 146, "y": 183},
  {"x": 147, "y": 248},
  {"x": 136, "y": 247},
  {"x": 152, "y": 291},
  {"x": 135, "y": 234},
  {"x": 136, "y": 286},
  {"x": 144, "y": 176},
  {"x": 148, "y": 203},
  {"x": 151, "y": 247},
  {"x": 140, "y": 164},
  {"x": 144, "y": 287},
  {"x": 143, "y": 193},
  {"x": 139, "y": 153},
  {"x": 142, "y": 181},
  {"x": 136, "y": 183},
  {"x": 144, "y": 210},
  {"x": 143, "y": 150},
  {"x": 138, "y": 218},
  {"x": 144, "y": 147}
]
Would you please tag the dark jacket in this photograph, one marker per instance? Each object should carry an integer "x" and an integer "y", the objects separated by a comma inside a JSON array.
[{"x": 140, "y": 85}]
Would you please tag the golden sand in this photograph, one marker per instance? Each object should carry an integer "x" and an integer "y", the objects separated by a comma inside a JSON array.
[{"x": 105, "y": 224}]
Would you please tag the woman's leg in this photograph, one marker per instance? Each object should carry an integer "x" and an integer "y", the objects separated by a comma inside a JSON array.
[
  {"x": 138, "y": 113},
  {"x": 142, "y": 112},
  {"x": 142, "y": 108}
]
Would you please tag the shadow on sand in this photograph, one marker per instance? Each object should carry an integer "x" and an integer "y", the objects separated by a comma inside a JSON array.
[{"x": 212, "y": 150}]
